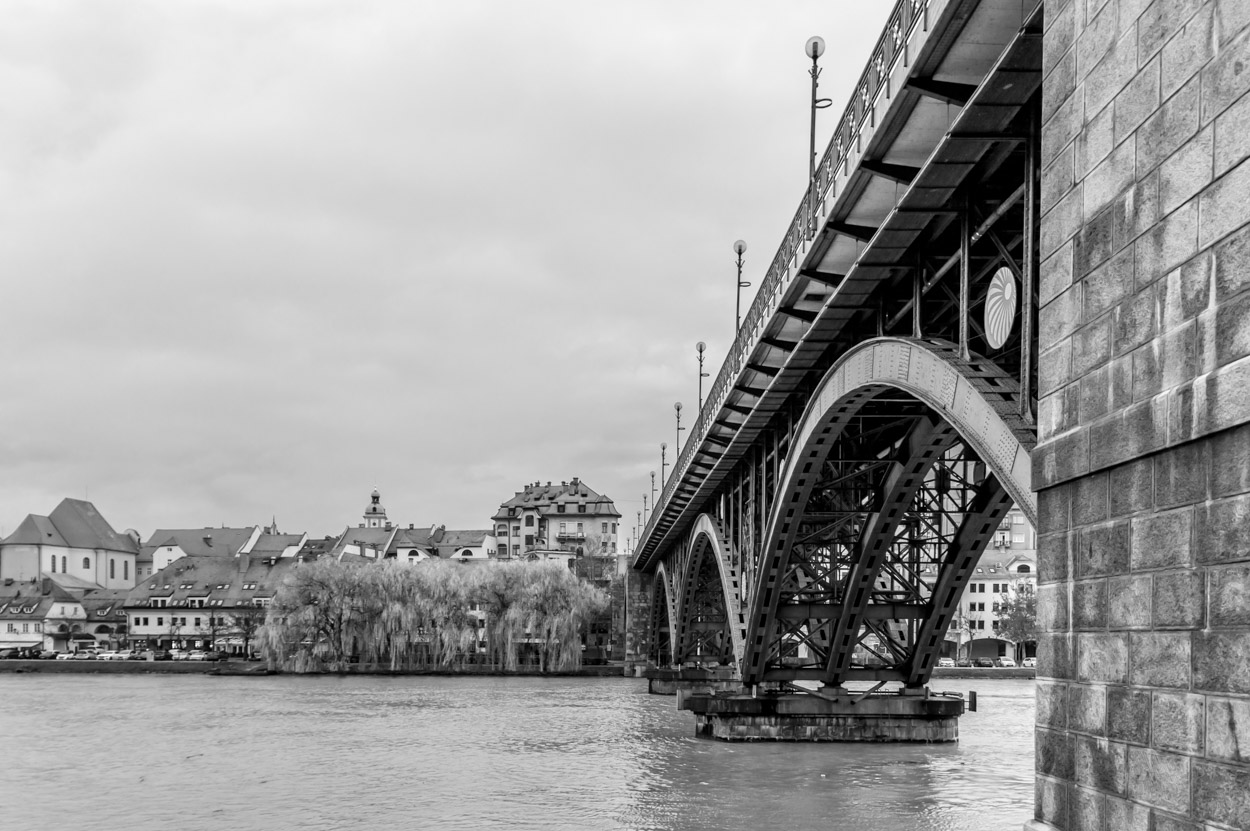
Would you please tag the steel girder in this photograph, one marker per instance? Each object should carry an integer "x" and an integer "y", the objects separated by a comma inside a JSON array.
[
  {"x": 663, "y": 614},
  {"x": 899, "y": 470},
  {"x": 709, "y": 607}
]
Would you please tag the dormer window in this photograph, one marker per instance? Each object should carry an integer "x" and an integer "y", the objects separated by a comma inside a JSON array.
[{"x": 560, "y": 508}]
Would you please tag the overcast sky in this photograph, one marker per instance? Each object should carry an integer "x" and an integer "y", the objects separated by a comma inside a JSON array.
[{"x": 261, "y": 257}]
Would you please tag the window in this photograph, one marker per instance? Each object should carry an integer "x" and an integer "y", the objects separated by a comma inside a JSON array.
[
  {"x": 980, "y": 607},
  {"x": 994, "y": 625},
  {"x": 502, "y": 531},
  {"x": 145, "y": 621},
  {"x": 1022, "y": 569},
  {"x": 980, "y": 624},
  {"x": 25, "y": 628},
  {"x": 182, "y": 621},
  {"x": 581, "y": 509},
  {"x": 125, "y": 569},
  {"x": 54, "y": 564},
  {"x": 160, "y": 621},
  {"x": 64, "y": 565},
  {"x": 112, "y": 568},
  {"x": 516, "y": 549},
  {"x": 579, "y": 528},
  {"x": 564, "y": 527},
  {"x": 197, "y": 621},
  {"x": 972, "y": 607},
  {"x": 605, "y": 527},
  {"x": 86, "y": 562},
  {"x": 503, "y": 551},
  {"x": 560, "y": 508},
  {"x": 529, "y": 520},
  {"x": 38, "y": 627},
  {"x": 995, "y": 610},
  {"x": 13, "y": 628},
  {"x": 1017, "y": 520},
  {"x": 516, "y": 530},
  {"x": 614, "y": 528},
  {"x": 529, "y": 539}
]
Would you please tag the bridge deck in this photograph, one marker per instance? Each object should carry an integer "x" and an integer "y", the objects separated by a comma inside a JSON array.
[{"x": 934, "y": 107}]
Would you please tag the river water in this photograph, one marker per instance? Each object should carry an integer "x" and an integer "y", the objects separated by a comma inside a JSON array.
[{"x": 162, "y": 752}]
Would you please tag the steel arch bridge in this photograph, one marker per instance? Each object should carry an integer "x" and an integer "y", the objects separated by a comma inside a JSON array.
[{"x": 873, "y": 421}]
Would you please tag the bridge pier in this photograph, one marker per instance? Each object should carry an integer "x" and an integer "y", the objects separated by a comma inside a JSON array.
[
  {"x": 672, "y": 681},
  {"x": 842, "y": 716}
]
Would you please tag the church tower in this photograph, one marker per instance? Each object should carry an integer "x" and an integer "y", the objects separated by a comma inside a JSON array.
[{"x": 375, "y": 514}]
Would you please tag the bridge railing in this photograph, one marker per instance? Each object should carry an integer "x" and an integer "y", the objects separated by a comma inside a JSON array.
[{"x": 895, "y": 44}]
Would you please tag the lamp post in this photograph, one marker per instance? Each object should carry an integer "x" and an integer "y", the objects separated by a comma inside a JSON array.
[
  {"x": 677, "y": 409},
  {"x": 653, "y": 486},
  {"x": 740, "y": 248},
  {"x": 644, "y": 509},
  {"x": 814, "y": 49},
  {"x": 663, "y": 462},
  {"x": 700, "y": 346}
]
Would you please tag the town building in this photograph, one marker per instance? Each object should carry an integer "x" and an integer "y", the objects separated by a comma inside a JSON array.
[
  {"x": 566, "y": 521},
  {"x": 165, "y": 545},
  {"x": 76, "y": 540},
  {"x": 1006, "y": 569},
  {"x": 205, "y": 601}
]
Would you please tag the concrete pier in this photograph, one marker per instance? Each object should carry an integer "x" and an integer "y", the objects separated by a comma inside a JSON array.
[
  {"x": 692, "y": 680},
  {"x": 841, "y": 717}
]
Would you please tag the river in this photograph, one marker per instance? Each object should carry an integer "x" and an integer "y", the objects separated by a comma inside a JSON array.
[{"x": 184, "y": 753}]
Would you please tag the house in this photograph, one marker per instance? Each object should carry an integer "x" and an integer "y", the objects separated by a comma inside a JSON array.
[
  {"x": 548, "y": 518},
  {"x": 168, "y": 544},
  {"x": 75, "y": 539},
  {"x": 205, "y": 601}
]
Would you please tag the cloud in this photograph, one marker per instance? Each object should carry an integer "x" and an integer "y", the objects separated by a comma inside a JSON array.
[{"x": 261, "y": 257}]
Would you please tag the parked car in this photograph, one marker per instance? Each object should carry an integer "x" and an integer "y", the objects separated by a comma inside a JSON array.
[
  {"x": 215, "y": 655},
  {"x": 197, "y": 655},
  {"x": 10, "y": 652},
  {"x": 983, "y": 662},
  {"x": 64, "y": 656},
  {"x": 946, "y": 662},
  {"x": 1029, "y": 662},
  {"x": 963, "y": 662},
  {"x": 48, "y": 654},
  {"x": 85, "y": 655},
  {"x": 112, "y": 655},
  {"x": 162, "y": 655},
  {"x": 1005, "y": 661},
  {"x": 178, "y": 654}
]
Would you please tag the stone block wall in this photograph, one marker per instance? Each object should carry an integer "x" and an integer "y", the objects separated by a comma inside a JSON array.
[{"x": 1143, "y": 460}]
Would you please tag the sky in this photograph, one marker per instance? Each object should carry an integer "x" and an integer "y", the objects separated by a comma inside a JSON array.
[{"x": 261, "y": 257}]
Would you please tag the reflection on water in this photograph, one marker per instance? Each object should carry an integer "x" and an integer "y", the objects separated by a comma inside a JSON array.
[{"x": 190, "y": 752}]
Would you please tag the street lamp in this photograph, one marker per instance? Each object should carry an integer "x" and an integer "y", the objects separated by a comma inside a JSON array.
[
  {"x": 663, "y": 462},
  {"x": 814, "y": 49},
  {"x": 644, "y": 509},
  {"x": 740, "y": 248},
  {"x": 700, "y": 346},
  {"x": 653, "y": 486},
  {"x": 677, "y": 409}
]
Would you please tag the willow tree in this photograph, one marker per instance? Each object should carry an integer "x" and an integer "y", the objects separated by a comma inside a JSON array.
[{"x": 421, "y": 616}]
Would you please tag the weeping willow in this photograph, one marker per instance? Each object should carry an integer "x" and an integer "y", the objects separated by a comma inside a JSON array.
[{"x": 435, "y": 615}]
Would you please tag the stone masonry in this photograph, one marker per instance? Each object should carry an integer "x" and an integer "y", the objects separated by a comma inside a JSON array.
[{"x": 1143, "y": 461}]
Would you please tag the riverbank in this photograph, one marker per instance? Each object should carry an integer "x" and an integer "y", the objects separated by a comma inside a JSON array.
[{"x": 258, "y": 668}]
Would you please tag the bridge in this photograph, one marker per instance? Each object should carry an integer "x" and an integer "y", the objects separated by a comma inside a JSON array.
[
  {"x": 1016, "y": 278},
  {"x": 873, "y": 420}
]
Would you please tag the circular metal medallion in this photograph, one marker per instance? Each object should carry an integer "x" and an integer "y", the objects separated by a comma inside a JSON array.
[{"x": 1000, "y": 307}]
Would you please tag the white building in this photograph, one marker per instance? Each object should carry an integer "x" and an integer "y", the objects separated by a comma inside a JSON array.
[{"x": 73, "y": 540}]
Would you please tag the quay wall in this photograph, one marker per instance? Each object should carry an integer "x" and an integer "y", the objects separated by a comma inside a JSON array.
[{"x": 1143, "y": 460}]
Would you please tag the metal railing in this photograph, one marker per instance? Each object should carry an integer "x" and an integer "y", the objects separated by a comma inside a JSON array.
[{"x": 893, "y": 46}]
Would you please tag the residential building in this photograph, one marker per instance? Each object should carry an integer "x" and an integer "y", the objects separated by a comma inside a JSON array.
[
  {"x": 165, "y": 545},
  {"x": 1007, "y": 567},
  {"x": 205, "y": 601},
  {"x": 566, "y": 521},
  {"x": 75, "y": 539}
]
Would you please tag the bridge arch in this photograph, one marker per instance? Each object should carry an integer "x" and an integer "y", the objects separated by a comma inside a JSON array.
[
  {"x": 901, "y": 467},
  {"x": 709, "y": 609},
  {"x": 662, "y": 628}
]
